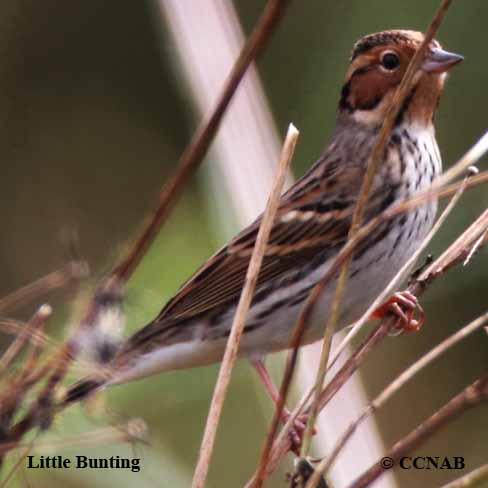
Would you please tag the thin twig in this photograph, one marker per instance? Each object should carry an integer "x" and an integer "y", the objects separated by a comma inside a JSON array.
[
  {"x": 238, "y": 324},
  {"x": 196, "y": 150},
  {"x": 391, "y": 389},
  {"x": 470, "y": 480},
  {"x": 374, "y": 161},
  {"x": 33, "y": 353},
  {"x": 16, "y": 386},
  {"x": 37, "y": 320},
  {"x": 56, "y": 279},
  {"x": 471, "y": 396},
  {"x": 475, "y": 153}
]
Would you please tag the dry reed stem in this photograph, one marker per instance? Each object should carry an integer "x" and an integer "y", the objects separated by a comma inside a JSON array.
[
  {"x": 471, "y": 396},
  {"x": 374, "y": 161},
  {"x": 245, "y": 299},
  {"x": 391, "y": 389},
  {"x": 27, "y": 373},
  {"x": 198, "y": 146},
  {"x": 470, "y": 480}
]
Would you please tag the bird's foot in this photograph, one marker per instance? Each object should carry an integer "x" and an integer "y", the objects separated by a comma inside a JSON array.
[
  {"x": 298, "y": 429},
  {"x": 403, "y": 305}
]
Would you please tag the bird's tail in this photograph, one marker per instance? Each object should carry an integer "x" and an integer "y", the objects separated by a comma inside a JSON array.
[{"x": 83, "y": 389}]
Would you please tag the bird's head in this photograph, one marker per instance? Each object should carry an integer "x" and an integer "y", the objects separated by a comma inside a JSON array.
[{"x": 378, "y": 63}]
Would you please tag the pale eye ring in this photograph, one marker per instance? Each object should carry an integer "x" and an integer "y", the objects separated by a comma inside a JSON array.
[{"x": 390, "y": 60}]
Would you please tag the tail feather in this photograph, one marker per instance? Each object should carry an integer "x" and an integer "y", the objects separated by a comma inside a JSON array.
[{"x": 82, "y": 389}]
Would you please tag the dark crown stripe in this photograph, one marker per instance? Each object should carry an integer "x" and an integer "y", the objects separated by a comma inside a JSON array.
[{"x": 379, "y": 39}]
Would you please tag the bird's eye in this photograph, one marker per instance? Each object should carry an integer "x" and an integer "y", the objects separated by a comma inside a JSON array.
[{"x": 390, "y": 61}]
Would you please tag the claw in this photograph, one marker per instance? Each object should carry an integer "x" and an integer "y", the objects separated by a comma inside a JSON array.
[
  {"x": 297, "y": 431},
  {"x": 403, "y": 305}
]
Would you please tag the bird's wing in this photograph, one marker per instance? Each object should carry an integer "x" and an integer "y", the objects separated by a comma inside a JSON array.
[{"x": 312, "y": 221}]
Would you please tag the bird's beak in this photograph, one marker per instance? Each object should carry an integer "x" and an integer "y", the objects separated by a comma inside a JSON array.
[{"x": 439, "y": 61}]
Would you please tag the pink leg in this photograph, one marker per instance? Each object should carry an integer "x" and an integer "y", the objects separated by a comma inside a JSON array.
[
  {"x": 260, "y": 368},
  {"x": 301, "y": 422}
]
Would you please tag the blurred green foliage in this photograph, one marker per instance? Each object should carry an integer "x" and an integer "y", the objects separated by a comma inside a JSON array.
[{"x": 92, "y": 120}]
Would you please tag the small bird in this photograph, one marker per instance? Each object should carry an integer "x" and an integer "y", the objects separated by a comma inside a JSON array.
[{"x": 311, "y": 227}]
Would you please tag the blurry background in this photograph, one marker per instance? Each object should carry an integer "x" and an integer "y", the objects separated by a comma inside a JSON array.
[{"x": 94, "y": 115}]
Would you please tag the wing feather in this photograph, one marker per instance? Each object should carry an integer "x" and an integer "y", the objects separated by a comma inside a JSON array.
[{"x": 307, "y": 222}]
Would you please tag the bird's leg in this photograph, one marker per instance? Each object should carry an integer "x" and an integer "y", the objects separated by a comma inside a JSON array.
[
  {"x": 300, "y": 422},
  {"x": 403, "y": 305}
]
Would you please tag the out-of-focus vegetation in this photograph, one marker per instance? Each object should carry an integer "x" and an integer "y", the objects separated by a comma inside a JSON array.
[{"x": 92, "y": 120}]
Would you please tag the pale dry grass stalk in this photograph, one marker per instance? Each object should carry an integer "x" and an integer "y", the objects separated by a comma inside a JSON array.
[
  {"x": 14, "y": 328},
  {"x": 392, "y": 388},
  {"x": 470, "y": 480},
  {"x": 238, "y": 323},
  {"x": 474, "y": 154},
  {"x": 372, "y": 165}
]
